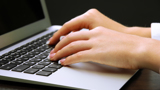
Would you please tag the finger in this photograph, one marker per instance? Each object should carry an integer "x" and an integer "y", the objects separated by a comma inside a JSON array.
[
  {"x": 70, "y": 49},
  {"x": 82, "y": 56},
  {"x": 75, "y": 36},
  {"x": 52, "y": 51},
  {"x": 72, "y": 25}
]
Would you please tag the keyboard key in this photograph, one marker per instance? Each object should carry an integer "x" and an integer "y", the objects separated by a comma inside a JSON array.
[
  {"x": 22, "y": 52},
  {"x": 42, "y": 56},
  {"x": 27, "y": 49},
  {"x": 47, "y": 60},
  {"x": 38, "y": 66},
  {"x": 45, "y": 46},
  {"x": 44, "y": 63},
  {"x": 16, "y": 62},
  {"x": 17, "y": 55},
  {"x": 50, "y": 69},
  {"x": 19, "y": 48},
  {"x": 4, "y": 61},
  {"x": 31, "y": 47},
  {"x": 6, "y": 54},
  {"x": 24, "y": 58},
  {"x": 10, "y": 58},
  {"x": 39, "y": 43},
  {"x": 29, "y": 55},
  {"x": 8, "y": 66},
  {"x": 31, "y": 71},
  {"x": 37, "y": 51},
  {"x": 45, "y": 54},
  {"x": 29, "y": 63},
  {"x": 34, "y": 53},
  {"x": 21, "y": 68},
  {"x": 40, "y": 49},
  {"x": 44, "y": 73},
  {"x": 35, "y": 60},
  {"x": 55, "y": 66},
  {"x": 48, "y": 51},
  {"x": 2, "y": 56}
]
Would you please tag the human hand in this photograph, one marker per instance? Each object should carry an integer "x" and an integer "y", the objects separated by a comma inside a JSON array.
[
  {"x": 100, "y": 45},
  {"x": 91, "y": 19},
  {"x": 118, "y": 49}
]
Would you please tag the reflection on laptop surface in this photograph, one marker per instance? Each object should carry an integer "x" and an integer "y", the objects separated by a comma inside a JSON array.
[{"x": 23, "y": 55}]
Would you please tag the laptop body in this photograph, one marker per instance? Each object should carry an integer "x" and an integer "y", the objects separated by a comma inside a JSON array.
[{"x": 89, "y": 75}]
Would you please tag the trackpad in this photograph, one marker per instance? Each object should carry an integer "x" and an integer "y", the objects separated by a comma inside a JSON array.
[{"x": 100, "y": 68}]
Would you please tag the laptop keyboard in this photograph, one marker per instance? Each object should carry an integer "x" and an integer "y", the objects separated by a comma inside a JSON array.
[{"x": 30, "y": 58}]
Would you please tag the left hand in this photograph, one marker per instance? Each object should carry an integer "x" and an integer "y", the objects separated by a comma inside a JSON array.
[{"x": 89, "y": 20}]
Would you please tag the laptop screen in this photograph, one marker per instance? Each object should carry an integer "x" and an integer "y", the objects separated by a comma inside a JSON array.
[
  {"x": 20, "y": 19},
  {"x": 18, "y": 13}
]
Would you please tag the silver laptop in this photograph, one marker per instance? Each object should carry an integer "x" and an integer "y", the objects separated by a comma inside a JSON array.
[{"x": 24, "y": 29}]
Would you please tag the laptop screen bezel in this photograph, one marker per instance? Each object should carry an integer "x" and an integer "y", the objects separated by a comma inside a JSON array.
[{"x": 27, "y": 30}]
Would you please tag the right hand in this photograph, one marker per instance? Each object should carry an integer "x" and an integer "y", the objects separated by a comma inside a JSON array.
[{"x": 101, "y": 45}]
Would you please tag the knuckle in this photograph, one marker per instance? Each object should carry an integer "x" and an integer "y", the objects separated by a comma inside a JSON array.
[
  {"x": 98, "y": 29},
  {"x": 58, "y": 53},
  {"x": 69, "y": 36},
  {"x": 65, "y": 25},
  {"x": 56, "y": 48},
  {"x": 78, "y": 55},
  {"x": 92, "y": 10},
  {"x": 72, "y": 45},
  {"x": 90, "y": 13}
]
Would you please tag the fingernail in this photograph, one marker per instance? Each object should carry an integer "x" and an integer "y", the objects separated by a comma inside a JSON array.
[
  {"x": 52, "y": 56},
  {"x": 61, "y": 61},
  {"x": 71, "y": 32},
  {"x": 48, "y": 42},
  {"x": 52, "y": 51},
  {"x": 61, "y": 37},
  {"x": 50, "y": 38}
]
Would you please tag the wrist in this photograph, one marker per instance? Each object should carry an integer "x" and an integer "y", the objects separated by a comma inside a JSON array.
[
  {"x": 140, "y": 31},
  {"x": 149, "y": 55}
]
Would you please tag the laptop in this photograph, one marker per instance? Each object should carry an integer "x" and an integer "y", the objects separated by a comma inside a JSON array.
[{"x": 24, "y": 29}]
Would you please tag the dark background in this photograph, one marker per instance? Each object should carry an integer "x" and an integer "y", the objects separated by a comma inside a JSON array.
[
  {"x": 17, "y": 13},
  {"x": 127, "y": 12}
]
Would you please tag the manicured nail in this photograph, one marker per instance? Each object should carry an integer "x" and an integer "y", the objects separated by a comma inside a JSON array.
[
  {"x": 61, "y": 61},
  {"x": 52, "y": 51},
  {"x": 71, "y": 31},
  {"x": 61, "y": 37},
  {"x": 52, "y": 56},
  {"x": 50, "y": 38},
  {"x": 47, "y": 42}
]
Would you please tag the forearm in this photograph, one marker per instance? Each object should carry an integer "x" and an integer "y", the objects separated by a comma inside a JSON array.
[
  {"x": 140, "y": 31},
  {"x": 150, "y": 55}
]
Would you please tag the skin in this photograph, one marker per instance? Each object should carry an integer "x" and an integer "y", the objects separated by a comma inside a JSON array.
[{"x": 108, "y": 42}]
